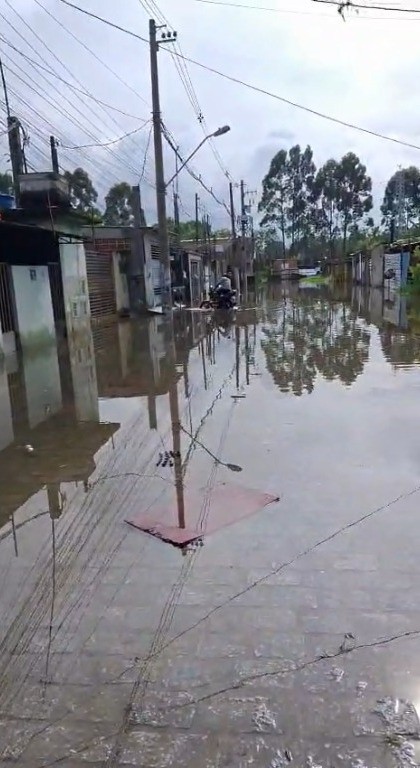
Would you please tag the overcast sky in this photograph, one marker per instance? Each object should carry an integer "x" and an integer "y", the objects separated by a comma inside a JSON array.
[{"x": 363, "y": 71}]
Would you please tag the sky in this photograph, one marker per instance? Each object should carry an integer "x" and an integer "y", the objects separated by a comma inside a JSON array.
[{"x": 363, "y": 71}]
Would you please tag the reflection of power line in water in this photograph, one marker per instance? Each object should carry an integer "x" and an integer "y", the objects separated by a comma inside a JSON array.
[{"x": 232, "y": 467}]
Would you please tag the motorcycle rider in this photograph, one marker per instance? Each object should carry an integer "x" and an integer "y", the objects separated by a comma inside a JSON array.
[{"x": 223, "y": 291}]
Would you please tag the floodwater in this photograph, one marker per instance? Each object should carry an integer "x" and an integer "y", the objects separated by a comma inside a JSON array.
[{"x": 289, "y": 634}]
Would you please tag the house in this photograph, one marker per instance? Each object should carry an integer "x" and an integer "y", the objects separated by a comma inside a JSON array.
[{"x": 43, "y": 278}]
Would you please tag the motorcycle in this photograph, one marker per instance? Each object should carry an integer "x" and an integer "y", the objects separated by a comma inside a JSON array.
[{"x": 220, "y": 299}]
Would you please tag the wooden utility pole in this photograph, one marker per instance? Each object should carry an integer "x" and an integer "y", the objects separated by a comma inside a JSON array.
[{"x": 165, "y": 257}]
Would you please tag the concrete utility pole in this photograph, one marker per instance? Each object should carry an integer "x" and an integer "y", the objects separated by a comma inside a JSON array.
[
  {"x": 54, "y": 155},
  {"x": 243, "y": 235},
  {"x": 197, "y": 203},
  {"x": 160, "y": 179},
  {"x": 15, "y": 146}
]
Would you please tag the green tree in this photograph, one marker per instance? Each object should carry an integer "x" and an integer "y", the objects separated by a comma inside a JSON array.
[
  {"x": 287, "y": 197},
  {"x": 6, "y": 183},
  {"x": 410, "y": 186},
  {"x": 275, "y": 195},
  {"x": 83, "y": 194},
  {"x": 353, "y": 194},
  {"x": 301, "y": 170},
  {"x": 324, "y": 211},
  {"x": 119, "y": 205}
]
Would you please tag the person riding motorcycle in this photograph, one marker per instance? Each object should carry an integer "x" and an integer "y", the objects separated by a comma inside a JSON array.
[{"x": 223, "y": 290}]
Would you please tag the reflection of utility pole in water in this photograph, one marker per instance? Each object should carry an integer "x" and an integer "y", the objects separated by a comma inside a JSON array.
[
  {"x": 203, "y": 359},
  {"x": 247, "y": 354},
  {"x": 237, "y": 344},
  {"x": 176, "y": 428},
  {"x": 55, "y": 502}
]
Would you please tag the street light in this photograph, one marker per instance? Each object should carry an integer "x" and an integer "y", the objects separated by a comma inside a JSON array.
[{"x": 220, "y": 131}]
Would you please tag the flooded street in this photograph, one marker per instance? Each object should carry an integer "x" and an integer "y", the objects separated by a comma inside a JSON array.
[{"x": 270, "y": 616}]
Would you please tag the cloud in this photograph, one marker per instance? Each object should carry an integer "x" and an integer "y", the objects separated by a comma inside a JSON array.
[{"x": 281, "y": 134}]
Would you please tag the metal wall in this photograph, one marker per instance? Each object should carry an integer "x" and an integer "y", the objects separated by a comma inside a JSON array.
[{"x": 101, "y": 284}]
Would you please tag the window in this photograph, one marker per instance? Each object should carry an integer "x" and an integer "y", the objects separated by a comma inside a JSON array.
[{"x": 32, "y": 274}]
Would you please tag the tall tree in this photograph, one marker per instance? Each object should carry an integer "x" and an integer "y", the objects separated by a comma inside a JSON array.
[
  {"x": 353, "y": 194},
  {"x": 119, "y": 205},
  {"x": 287, "y": 195},
  {"x": 83, "y": 194},
  {"x": 410, "y": 185},
  {"x": 275, "y": 195},
  {"x": 301, "y": 170},
  {"x": 324, "y": 212},
  {"x": 6, "y": 183}
]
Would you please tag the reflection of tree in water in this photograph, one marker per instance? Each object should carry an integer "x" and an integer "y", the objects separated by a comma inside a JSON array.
[{"x": 310, "y": 335}]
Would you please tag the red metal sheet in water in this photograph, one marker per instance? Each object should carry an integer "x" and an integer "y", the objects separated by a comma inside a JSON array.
[{"x": 205, "y": 512}]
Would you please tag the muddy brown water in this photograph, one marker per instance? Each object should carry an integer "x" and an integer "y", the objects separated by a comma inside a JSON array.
[{"x": 273, "y": 642}]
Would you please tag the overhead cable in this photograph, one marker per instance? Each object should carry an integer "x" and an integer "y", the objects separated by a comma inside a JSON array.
[{"x": 251, "y": 87}]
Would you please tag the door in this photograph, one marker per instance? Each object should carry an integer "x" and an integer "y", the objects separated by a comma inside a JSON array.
[
  {"x": 195, "y": 282},
  {"x": 7, "y": 310},
  {"x": 101, "y": 285}
]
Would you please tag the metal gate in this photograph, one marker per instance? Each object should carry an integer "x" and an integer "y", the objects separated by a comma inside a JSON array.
[
  {"x": 7, "y": 305},
  {"x": 101, "y": 285},
  {"x": 157, "y": 276},
  {"x": 57, "y": 296}
]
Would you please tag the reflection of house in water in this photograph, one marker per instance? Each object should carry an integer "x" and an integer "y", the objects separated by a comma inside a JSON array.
[
  {"x": 133, "y": 360},
  {"x": 49, "y": 400}
]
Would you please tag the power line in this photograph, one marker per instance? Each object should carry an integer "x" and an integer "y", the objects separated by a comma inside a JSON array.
[
  {"x": 67, "y": 115},
  {"x": 66, "y": 82},
  {"x": 109, "y": 143},
  {"x": 95, "y": 55},
  {"x": 226, "y": 4},
  {"x": 146, "y": 152},
  {"x": 349, "y": 4},
  {"x": 60, "y": 62},
  {"x": 251, "y": 87},
  {"x": 190, "y": 171}
]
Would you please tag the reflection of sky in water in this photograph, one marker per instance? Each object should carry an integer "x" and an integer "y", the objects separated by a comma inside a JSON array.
[{"x": 120, "y": 409}]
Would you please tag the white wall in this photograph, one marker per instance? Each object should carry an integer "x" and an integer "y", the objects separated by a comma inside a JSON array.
[
  {"x": 35, "y": 318},
  {"x": 79, "y": 330},
  {"x": 75, "y": 286},
  {"x": 121, "y": 285},
  {"x": 42, "y": 383}
]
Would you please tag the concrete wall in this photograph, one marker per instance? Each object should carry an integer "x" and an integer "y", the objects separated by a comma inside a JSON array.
[
  {"x": 79, "y": 330},
  {"x": 121, "y": 283},
  {"x": 6, "y": 424},
  {"x": 75, "y": 288},
  {"x": 377, "y": 269},
  {"x": 42, "y": 383},
  {"x": 34, "y": 312}
]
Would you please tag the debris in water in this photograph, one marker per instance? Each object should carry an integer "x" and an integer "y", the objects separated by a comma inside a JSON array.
[
  {"x": 288, "y": 755},
  {"x": 400, "y": 717},
  {"x": 348, "y": 643},
  {"x": 311, "y": 764},
  {"x": 263, "y": 719},
  {"x": 337, "y": 674},
  {"x": 278, "y": 761},
  {"x": 361, "y": 686}
]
